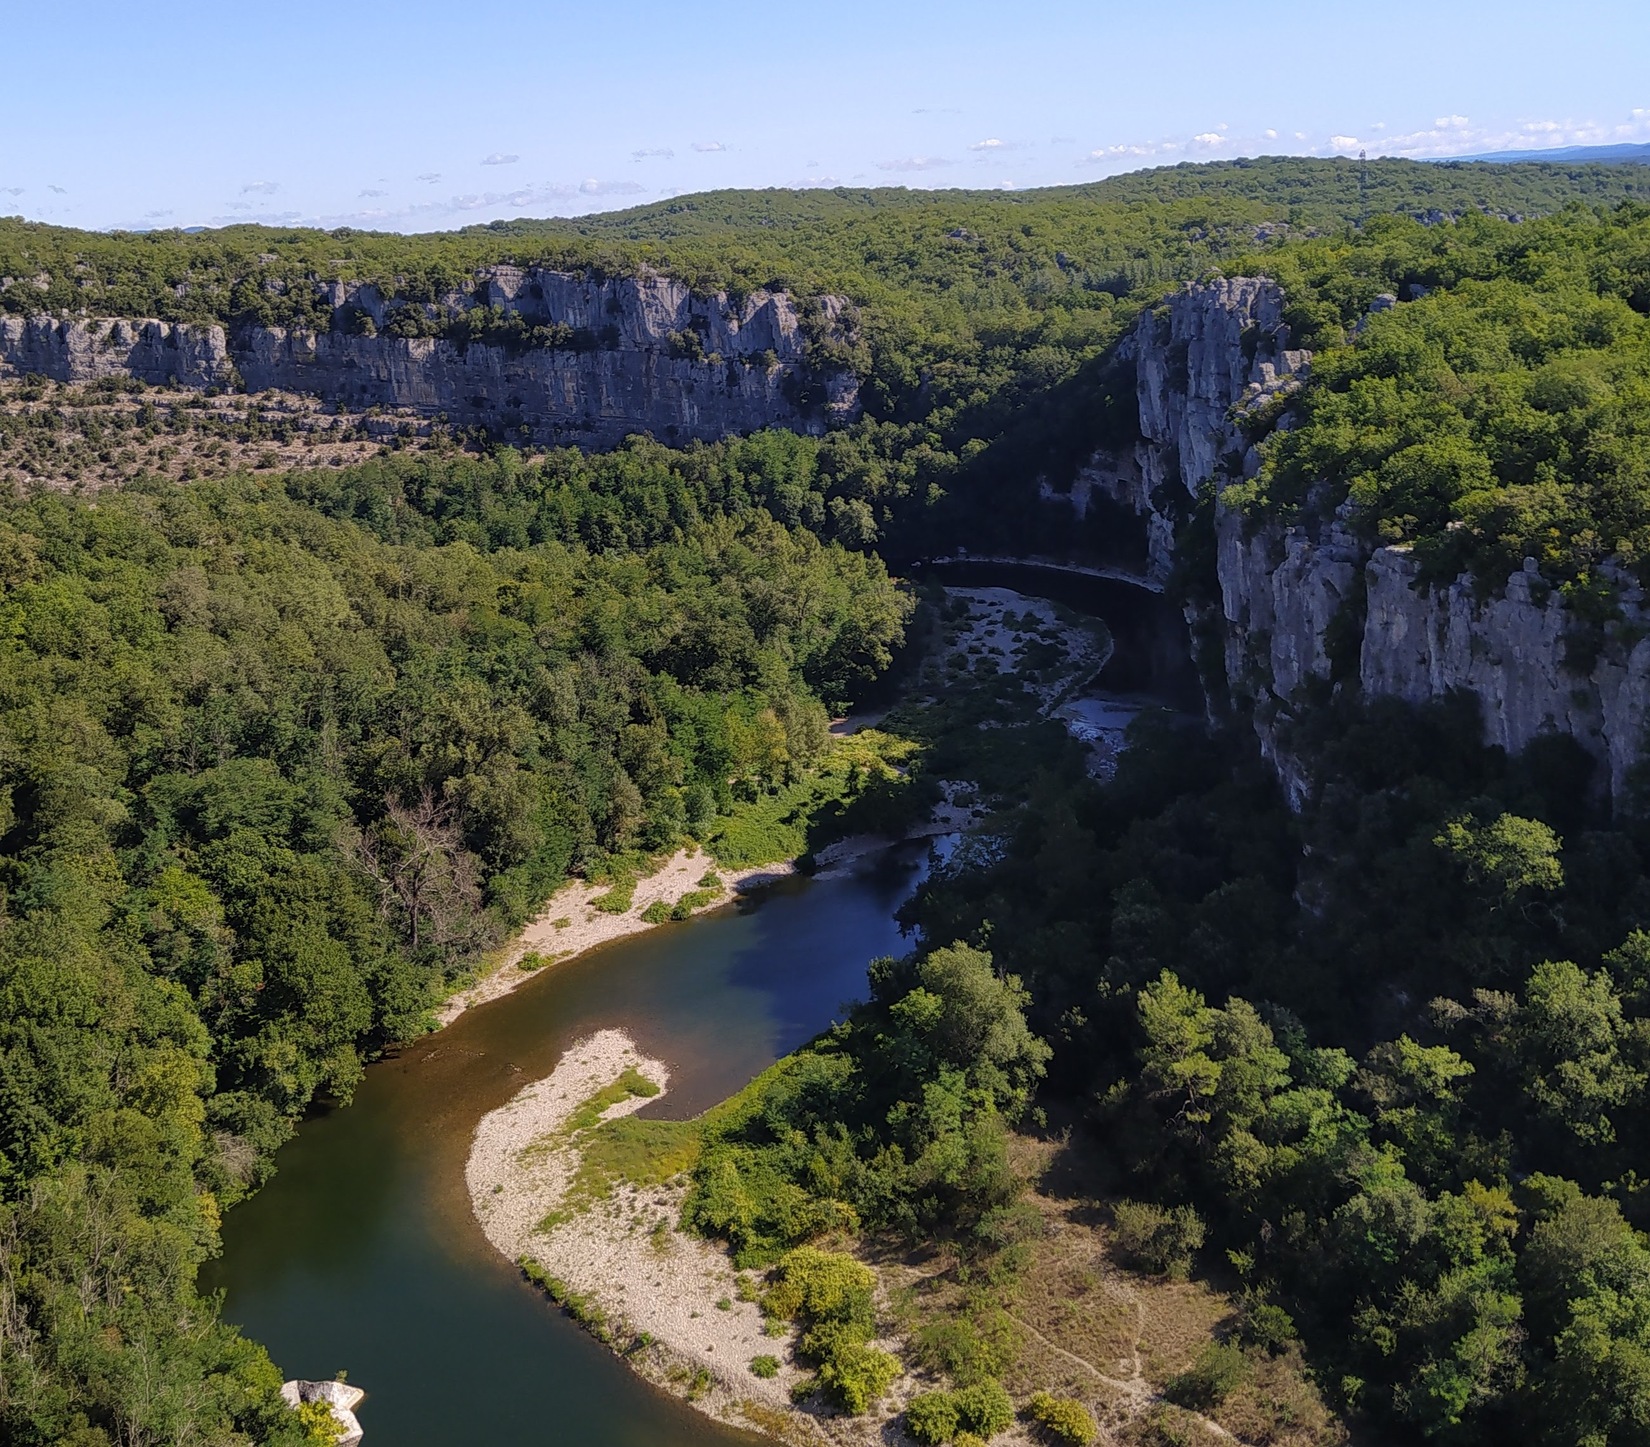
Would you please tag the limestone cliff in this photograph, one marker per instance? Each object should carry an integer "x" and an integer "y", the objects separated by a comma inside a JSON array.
[
  {"x": 561, "y": 358},
  {"x": 1308, "y": 607}
]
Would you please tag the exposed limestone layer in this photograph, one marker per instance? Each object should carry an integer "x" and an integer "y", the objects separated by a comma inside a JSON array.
[
  {"x": 640, "y": 354},
  {"x": 1292, "y": 596}
]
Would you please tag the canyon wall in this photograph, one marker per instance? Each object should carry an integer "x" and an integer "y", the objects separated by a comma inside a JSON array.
[
  {"x": 631, "y": 354},
  {"x": 1309, "y": 607}
]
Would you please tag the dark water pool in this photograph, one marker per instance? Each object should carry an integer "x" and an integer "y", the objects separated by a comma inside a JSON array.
[{"x": 362, "y": 1253}]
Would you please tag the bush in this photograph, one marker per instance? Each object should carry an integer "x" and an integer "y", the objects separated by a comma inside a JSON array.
[
  {"x": 822, "y": 1286},
  {"x": 1211, "y": 1379},
  {"x": 832, "y": 1295},
  {"x": 692, "y": 900},
  {"x": 656, "y": 913},
  {"x": 931, "y": 1418},
  {"x": 617, "y": 900},
  {"x": 765, "y": 1366},
  {"x": 984, "y": 1408},
  {"x": 1158, "y": 1240},
  {"x": 857, "y": 1375},
  {"x": 1065, "y": 1418},
  {"x": 1268, "y": 1327}
]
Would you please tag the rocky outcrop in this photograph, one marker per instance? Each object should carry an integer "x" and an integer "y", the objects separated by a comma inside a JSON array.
[
  {"x": 341, "y": 1398},
  {"x": 1207, "y": 350},
  {"x": 561, "y": 358},
  {"x": 1308, "y": 607}
]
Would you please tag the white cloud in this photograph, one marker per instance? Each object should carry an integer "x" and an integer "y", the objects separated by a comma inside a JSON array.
[
  {"x": 260, "y": 188},
  {"x": 1209, "y": 138},
  {"x": 1450, "y": 123},
  {"x": 155, "y": 215},
  {"x": 430, "y": 177},
  {"x": 499, "y": 158},
  {"x": 372, "y": 193},
  {"x": 663, "y": 153},
  {"x": 709, "y": 146},
  {"x": 12, "y": 190},
  {"x": 1270, "y": 135},
  {"x": 914, "y": 163},
  {"x": 593, "y": 187},
  {"x": 60, "y": 190},
  {"x": 1343, "y": 143}
]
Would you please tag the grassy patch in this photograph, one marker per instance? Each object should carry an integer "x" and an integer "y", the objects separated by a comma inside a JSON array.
[
  {"x": 617, "y": 900},
  {"x": 656, "y": 913},
  {"x": 807, "y": 813},
  {"x": 692, "y": 900},
  {"x": 632, "y": 1085}
]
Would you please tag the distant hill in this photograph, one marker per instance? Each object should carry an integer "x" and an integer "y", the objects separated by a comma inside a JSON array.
[{"x": 1574, "y": 155}]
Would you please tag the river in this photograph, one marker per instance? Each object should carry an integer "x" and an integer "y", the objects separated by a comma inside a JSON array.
[{"x": 362, "y": 1254}]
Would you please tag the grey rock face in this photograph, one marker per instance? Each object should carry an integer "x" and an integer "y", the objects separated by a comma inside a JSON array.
[
  {"x": 1214, "y": 352},
  {"x": 646, "y": 355}
]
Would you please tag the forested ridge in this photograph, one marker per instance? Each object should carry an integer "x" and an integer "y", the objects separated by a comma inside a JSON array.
[{"x": 283, "y": 753}]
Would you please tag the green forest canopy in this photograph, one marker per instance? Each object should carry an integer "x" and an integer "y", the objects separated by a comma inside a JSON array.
[{"x": 278, "y": 755}]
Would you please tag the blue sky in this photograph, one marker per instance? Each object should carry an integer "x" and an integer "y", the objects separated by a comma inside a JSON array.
[{"x": 421, "y": 115}]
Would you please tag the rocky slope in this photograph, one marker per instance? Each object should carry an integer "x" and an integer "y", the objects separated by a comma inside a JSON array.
[
  {"x": 562, "y": 358},
  {"x": 1305, "y": 607}
]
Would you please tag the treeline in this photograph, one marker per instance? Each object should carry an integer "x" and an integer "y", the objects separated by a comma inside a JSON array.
[
  {"x": 1382, "y": 1067},
  {"x": 271, "y": 776}
]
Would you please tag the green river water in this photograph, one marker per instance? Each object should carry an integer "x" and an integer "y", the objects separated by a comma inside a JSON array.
[{"x": 362, "y": 1254}]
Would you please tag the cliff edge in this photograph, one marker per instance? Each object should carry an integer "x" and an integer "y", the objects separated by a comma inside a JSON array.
[{"x": 531, "y": 355}]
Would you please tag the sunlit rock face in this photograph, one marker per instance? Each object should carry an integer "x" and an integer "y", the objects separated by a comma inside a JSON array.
[
  {"x": 1305, "y": 608},
  {"x": 593, "y": 360}
]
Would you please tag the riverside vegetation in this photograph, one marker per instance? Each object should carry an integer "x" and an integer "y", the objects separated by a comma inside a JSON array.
[{"x": 283, "y": 751}]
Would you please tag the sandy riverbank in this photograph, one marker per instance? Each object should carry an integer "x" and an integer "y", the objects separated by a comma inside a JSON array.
[
  {"x": 651, "y": 1283},
  {"x": 570, "y": 924}
]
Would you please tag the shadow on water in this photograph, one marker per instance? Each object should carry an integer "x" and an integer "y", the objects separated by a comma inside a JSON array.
[
  {"x": 362, "y": 1252},
  {"x": 1152, "y": 651}
]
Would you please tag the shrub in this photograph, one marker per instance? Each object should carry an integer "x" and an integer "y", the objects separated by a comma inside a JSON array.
[
  {"x": 1065, "y": 1418},
  {"x": 692, "y": 900},
  {"x": 856, "y": 1375},
  {"x": 822, "y": 1286},
  {"x": 832, "y": 1295},
  {"x": 1211, "y": 1379},
  {"x": 617, "y": 900},
  {"x": 984, "y": 1408},
  {"x": 765, "y": 1366},
  {"x": 1152, "y": 1238},
  {"x": 657, "y": 912},
  {"x": 932, "y": 1418},
  {"x": 1268, "y": 1327},
  {"x": 532, "y": 960}
]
